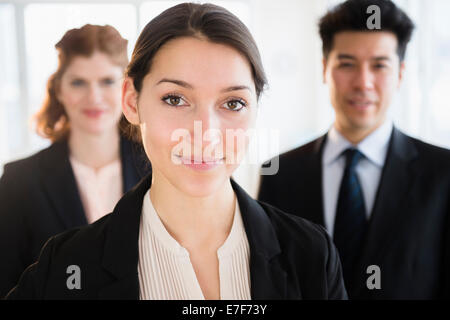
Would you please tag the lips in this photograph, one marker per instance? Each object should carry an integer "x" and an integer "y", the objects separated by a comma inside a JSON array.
[
  {"x": 360, "y": 103},
  {"x": 200, "y": 164},
  {"x": 200, "y": 160},
  {"x": 93, "y": 113}
]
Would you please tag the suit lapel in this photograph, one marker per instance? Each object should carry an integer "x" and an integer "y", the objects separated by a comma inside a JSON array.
[
  {"x": 59, "y": 182},
  {"x": 395, "y": 184},
  {"x": 121, "y": 252},
  {"x": 268, "y": 279},
  {"x": 312, "y": 184},
  {"x": 317, "y": 183}
]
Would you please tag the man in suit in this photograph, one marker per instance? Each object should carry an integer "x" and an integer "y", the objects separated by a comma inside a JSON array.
[{"x": 382, "y": 195}]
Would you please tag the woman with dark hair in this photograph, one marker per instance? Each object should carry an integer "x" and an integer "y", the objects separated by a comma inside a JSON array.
[
  {"x": 188, "y": 231},
  {"x": 88, "y": 167}
]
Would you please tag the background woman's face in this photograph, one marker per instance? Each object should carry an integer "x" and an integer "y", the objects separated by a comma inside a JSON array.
[
  {"x": 197, "y": 95},
  {"x": 90, "y": 92}
]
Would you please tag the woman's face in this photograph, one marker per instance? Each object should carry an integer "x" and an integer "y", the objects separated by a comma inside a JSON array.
[
  {"x": 90, "y": 92},
  {"x": 194, "y": 109}
]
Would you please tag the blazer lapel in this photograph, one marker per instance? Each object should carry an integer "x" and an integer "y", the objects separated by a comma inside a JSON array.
[
  {"x": 121, "y": 252},
  {"x": 315, "y": 182},
  {"x": 268, "y": 279},
  {"x": 396, "y": 181},
  {"x": 59, "y": 182}
]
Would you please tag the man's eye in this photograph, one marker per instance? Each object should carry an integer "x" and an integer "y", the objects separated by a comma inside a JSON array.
[
  {"x": 345, "y": 65},
  {"x": 175, "y": 101},
  {"x": 108, "y": 81},
  {"x": 235, "y": 105},
  {"x": 380, "y": 66}
]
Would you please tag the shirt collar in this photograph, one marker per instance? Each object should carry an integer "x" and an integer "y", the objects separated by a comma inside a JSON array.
[{"x": 373, "y": 147}]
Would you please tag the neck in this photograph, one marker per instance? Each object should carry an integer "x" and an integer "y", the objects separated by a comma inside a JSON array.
[
  {"x": 194, "y": 221},
  {"x": 355, "y": 135},
  {"x": 94, "y": 151}
]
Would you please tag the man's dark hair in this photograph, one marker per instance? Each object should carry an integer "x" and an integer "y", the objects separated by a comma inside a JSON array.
[{"x": 352, "y": 15}]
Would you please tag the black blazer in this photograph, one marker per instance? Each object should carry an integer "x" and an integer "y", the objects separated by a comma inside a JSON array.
[
  {"x": 409, "y": 228},
  {"x": 290, "y": 258},
  {"x": 39, "y": 198}
]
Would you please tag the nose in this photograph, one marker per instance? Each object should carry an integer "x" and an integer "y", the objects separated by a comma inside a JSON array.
[
  {"x": 94, "y": 94},
  {"x": 208, "y": 117},
  {"x": 207, "y": 126},
  {"x": 364, "y": 78}
]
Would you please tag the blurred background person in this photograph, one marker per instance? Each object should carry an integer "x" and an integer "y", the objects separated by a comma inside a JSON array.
[
  {"x": 88, "y": 166},
  {"x": 383, "y": 195}
]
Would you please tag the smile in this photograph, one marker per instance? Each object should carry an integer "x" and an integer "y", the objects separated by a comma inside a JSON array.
[
  {"x": 200, "y": 164},
  {"x": 360, "y": 104},
  {"x": 93, "y": 113}
]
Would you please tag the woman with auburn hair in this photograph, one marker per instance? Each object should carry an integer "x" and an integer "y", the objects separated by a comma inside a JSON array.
[
  {"x": 88, "y": 166},
  {"x": 188, "y": 231}
]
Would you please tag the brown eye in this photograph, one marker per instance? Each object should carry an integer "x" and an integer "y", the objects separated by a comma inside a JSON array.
[
  {"x": 174, "y": 101},
  {"x": 234, "y": 105}
]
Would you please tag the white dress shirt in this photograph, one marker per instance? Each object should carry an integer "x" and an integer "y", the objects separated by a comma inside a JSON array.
[
  {"x": 165, "y": 270},
  {"x": 374, "y": 148}
]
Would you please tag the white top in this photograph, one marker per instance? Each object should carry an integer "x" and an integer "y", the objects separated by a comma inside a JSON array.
[
  {"x": 165, "y": 269},
  {"x": 99, "y": 189},
  {"x": 373, "y": 147}
]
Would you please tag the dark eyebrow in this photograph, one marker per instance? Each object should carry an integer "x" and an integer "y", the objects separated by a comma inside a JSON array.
[
  {"x": 180, "y": 83},
  {"x": 382, "y": 58},
  {"x": 184, "y": 84},
  {"x": 236, "y": 88},
  {"x": 342, "y": 56}
]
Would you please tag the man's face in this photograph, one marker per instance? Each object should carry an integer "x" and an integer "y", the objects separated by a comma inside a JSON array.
[{"x": 363, "y": 72}]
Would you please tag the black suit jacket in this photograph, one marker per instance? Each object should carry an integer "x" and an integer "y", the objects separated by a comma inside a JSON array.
[
  {"x": 290, "y": 258},
  {"x": 409, "y": 228},
  {"x": 39, "y": 198}
]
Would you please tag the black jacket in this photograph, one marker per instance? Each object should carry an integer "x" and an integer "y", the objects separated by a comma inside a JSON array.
[
  {"x": 409, "y": 228},
  {"x": 290, "y": 258},
  {"x": 39, "y": 198}
]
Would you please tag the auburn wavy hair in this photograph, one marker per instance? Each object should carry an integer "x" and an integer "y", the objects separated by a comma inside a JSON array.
[{"x": 51, "y": 120}]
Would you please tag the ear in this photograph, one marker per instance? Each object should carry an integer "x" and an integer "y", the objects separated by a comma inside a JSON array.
[
  {"x": 324, "y": 70},
  {"x": 129, "y": 101},
  {"x": 400, "y": 73}
]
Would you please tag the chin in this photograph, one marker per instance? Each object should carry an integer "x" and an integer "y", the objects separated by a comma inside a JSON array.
[
  {"x": 99, "y": 128},
  {"x": 201, "y": 185}
]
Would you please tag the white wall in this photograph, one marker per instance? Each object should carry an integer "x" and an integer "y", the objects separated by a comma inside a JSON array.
[{"x": 296, "y": 102}]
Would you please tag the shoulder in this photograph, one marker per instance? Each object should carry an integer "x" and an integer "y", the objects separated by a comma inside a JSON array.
[
  {"x": 79, "y": 247},
  {"x": 300, "y": 154},
  {"x": 83, "y": 242},
  {"x": 429, "y": 159},
  {"x": 432, "y": 153},
  {"x": 29, "y": 164},
  {"x": 296, "y": 233}
]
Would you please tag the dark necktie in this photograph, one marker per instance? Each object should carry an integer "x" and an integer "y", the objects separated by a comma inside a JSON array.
[{"x": 351, "y": 222}]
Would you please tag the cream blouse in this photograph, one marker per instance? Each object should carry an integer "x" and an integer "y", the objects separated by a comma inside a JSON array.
[
  {"x": 100, "y": 189},
  {"x": 165, "y": 270}
]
